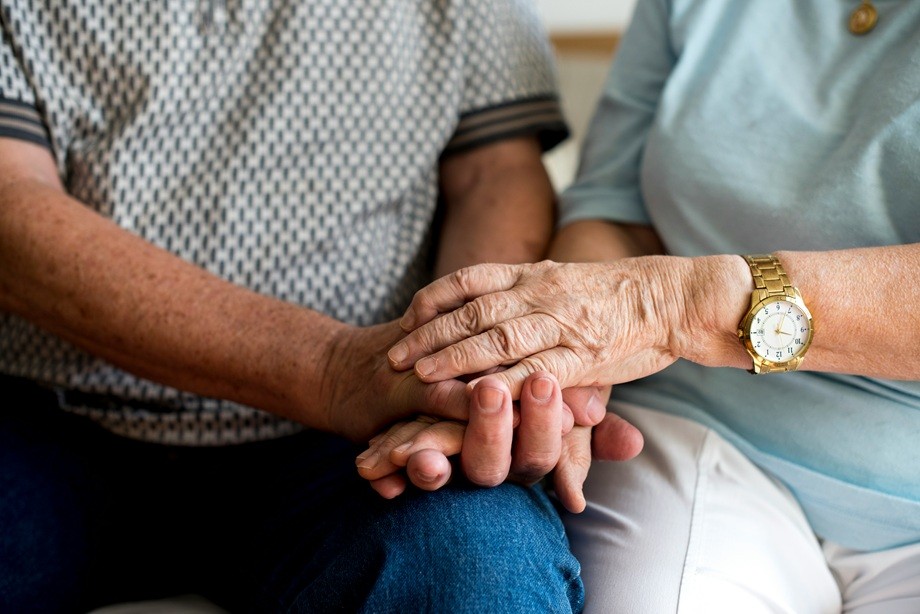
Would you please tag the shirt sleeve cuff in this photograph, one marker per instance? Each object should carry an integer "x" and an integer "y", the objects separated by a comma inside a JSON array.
[
  {"x": 611, "y": 205},
  {"x": 20, "y": 120},
  {"x": 540, "y": 116}
]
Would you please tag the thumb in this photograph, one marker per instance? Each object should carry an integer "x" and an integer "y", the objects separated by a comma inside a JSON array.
[{"x": 615, "y": 439}]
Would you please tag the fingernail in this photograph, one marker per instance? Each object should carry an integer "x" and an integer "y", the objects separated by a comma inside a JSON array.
[
  {"x": 403, "y": 447},
  {"x": 408, "y": 320},
  {"x": 398, "y": 353},
  {"x": 426, "y": 366},
  {"x": 364, "y": 454},
  {"x": 370, "y": 462},
  {"x": 490, "y": 399},
  {"x": 541, "y": 389}
]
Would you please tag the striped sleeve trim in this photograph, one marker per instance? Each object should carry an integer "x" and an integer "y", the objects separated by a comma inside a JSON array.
[
  {"x": 19, "y": 120},
  {"x": 539, "y": 116}
]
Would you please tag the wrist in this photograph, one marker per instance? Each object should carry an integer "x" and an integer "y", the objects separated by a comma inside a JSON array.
[
  {"x": 660, "y": 295},
  {"x": 716, "y": 294},
  {"x": 333, "y": 359},
  {"x": 306, "y": 363}
]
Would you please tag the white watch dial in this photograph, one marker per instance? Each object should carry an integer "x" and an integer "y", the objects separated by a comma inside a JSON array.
[{"x": 779, "y": 331}]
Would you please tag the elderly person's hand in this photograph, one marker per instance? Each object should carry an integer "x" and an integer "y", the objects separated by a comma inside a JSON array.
[
  {"x": 545, "y": 440},
  {"x": 589, "y": 324},
  {"x": 362, "y": 395}
]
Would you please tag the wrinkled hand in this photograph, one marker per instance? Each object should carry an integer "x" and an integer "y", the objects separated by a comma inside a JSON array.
[
  {"x": 587, "y": 323},
  {"x": 545, "y": 440},
  {"x": 363, "y": 395}
]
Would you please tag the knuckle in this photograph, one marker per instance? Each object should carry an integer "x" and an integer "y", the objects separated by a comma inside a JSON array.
[
  {"x": 422, "y": 300},
  {"x": 423, "y": 336},
  {"x": 470, "y": 316},
  {"x": 543, "y": 265},
  {"x": 535, "y": 464},
  {"x": 459, "y": 357},
  {"x": 504, "y": 340},
  {"x": 537, "y": 363},
  {"x": 464, "y": 278},
  {"x": 490, "y": 436},
  {"x": 437, "y": 396}
]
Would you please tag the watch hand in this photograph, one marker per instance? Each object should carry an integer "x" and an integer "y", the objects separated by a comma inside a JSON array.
[{"x": 779, "y": 326}]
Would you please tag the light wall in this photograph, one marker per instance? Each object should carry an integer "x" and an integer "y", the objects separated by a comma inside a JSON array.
[
  {"x": 585, "y": 15},
  {"x": 585, "y": 35}
]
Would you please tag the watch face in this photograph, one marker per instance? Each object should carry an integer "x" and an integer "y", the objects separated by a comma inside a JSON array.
[{"x": 780, "y": 329}]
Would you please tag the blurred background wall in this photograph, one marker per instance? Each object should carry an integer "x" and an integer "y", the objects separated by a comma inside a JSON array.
[{"x": 584, "y": 34}]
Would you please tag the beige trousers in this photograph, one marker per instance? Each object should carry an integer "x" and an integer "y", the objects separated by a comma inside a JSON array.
[{"x": 692, "y": 526}]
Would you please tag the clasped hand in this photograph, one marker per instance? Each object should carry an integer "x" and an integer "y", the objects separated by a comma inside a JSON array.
[
  {"x": 589, "y": 325},
  {"x": 552, "y": 430}
]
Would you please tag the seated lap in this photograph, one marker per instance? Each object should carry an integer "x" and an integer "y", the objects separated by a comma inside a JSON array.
[{"x": 91, "y": 518}]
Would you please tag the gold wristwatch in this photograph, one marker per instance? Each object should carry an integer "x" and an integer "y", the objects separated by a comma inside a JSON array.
[{"x": 777, "y": 329}]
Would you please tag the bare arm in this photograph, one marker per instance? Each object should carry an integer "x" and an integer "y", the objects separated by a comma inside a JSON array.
[
  {"x": 499, "y": 206},
  {"x": 862, "y": 300},
  {"x": 80, "y": 276},
  {"x": 599, "y": 241},
  {"x": 856, "y": 323},
  {"x": 620, "y": 320}
]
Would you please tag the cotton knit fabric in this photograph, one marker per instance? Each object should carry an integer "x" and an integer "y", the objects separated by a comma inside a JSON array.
[{"x": 288, "y": 147}]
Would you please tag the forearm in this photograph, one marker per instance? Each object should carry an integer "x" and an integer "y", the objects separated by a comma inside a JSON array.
[
  {"x": 81, "y": 277},
  {"x": 499, "y": 207},
  {"x": 864, "y": 306},
  {"x": 862, "y": 301},
  {"x": 598, "y": 241}
]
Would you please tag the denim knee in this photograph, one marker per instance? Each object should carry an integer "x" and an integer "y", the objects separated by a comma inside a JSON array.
[{"x": 462, "y": 549}]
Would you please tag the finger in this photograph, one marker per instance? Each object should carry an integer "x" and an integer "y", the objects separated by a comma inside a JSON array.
[
  {"x": 448, "y": 399},
  {"x": 374, "y": 444},
  {"x": 367, "y": 456},
  {"x": 572, "y": 470},
  {"x": 506, "y": 342},
  {"x": 472, "y": 318},
  {"x": 539, "y": 437},
  {"x": 615, "y": 439},
  {"x": 588, "y": 403},
  {"x": 486, "y": 454},
  {"x": 390, "y": 486},
  {"x": 377, "y": 463},
  {"x": 568, "y": 420},
  {"x": 445, "y": 437},
  {"x": 560, "y": 361},
  {"x": 451, "y": 291},
  {"x": 428, "y": 469}
]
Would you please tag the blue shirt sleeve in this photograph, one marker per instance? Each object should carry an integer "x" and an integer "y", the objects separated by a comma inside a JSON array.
[{"x": 608, "y": 183}]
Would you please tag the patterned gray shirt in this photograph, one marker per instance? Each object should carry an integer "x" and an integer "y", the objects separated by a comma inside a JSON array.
[{"x": 289, "y": 147}]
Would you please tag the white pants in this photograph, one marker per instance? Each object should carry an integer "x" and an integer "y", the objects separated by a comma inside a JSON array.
[{"x": 691, "y": 525}]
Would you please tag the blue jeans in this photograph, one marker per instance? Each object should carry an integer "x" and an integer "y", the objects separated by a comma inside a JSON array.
[{"x": 88, "y": 518}]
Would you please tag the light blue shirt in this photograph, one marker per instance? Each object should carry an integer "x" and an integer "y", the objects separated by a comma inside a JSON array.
[{"x": 764, "y": 125}]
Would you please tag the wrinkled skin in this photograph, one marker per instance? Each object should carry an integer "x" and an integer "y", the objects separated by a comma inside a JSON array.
[
  {"x": 364, "y": 395},
  {"x": 588, "y": 323}
]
